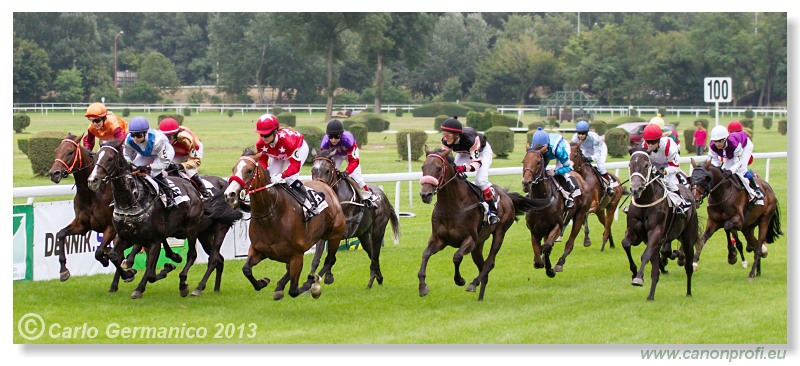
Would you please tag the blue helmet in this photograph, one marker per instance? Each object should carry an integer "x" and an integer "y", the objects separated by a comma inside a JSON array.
[
  {"x": 138, "y": 124},
  {"x": 540, "y": 137},
  {"x": 582, "y": 126}
]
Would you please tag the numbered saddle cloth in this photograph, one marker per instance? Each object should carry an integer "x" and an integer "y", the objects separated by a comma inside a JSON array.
[
  {"x": 179, "y": 196},
  {"x": 319, "y": 198}
]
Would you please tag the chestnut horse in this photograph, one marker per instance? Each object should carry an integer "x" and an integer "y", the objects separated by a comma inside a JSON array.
[
  {"x": 364, "y": 223},
  {"x": 603, "y": 205},
  {"x": 550, "y": 216},
  {"x": 652, "y": 220},
  {"x": 277, "y": 230},
  {"x": 140, "y": 215},
  {"x": 728, "y": 208},
  {"x": 458, "y": 220}
]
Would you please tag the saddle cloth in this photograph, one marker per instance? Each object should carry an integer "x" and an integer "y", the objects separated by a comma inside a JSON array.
[{"x": 179, "y": 196}]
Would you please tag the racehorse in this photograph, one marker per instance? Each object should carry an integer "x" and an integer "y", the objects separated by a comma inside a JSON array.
[
  {"x": 603, "y": 205},
  {"x": 458, "y": 220},
  {"x": 92, "y": 208},
  {"x": 139, "y": 213},
  {"x": 728, "y": 208},
  {"x": 368, "y": 225},
  {"x": 277, "y": 230},
  {"x": 652, "y": 220},
  {"x": 550, "y": 216}
]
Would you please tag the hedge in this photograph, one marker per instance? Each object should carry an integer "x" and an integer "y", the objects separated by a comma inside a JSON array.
[
  {"x": 688, "y": 139},
  {"x": 287, "y": 119},
  {"x": 480, "y": 121},
  {"x": 600, "y": 127},
  {"x": 747, "y": 123},
  {"x": 20, "y": 122},
  {"x": 437, "y": 122},
  {"x": 618, "y": 141},
  {"x": 748, "y": 113},
  {"x": 502, "y": 120},
  {"x": 782, "y": 127},
  {"x": 42, "y": 150},
  {"x": 767, "y": 123},
  {"x": 313, "y": 136},
  {"x": 533, "y": 126},
  {"x": 501, "y": 139},
  {"x": 479, "y": 107},
  {"x": 418, "y": 139},
  {"x": 22, "y": 144},
  {"x": 373, "y": 121},
  {"x": 360, "y": 132},
  {"x": 445, "y": 108},
  {"x": 626, "y": 119},
  {"x": 177, "y": 117}
]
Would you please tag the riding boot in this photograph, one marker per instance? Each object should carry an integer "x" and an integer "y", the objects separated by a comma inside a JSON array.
[
  {"x": 608, "y": 182},
  {"x": 368, "y": 198},
  {"x": 201, "y": 187},
  {"x": 759, "y": 194},
  {"x": 570, "y": 202},
  {"x": 165, "y": 189},
  {"x": 683, "y": 208},
  {"x": 309, "y": 203},
  {"x": 488, "y": 197}
]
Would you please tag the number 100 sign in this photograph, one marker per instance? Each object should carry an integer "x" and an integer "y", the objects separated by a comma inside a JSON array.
[{"x": 717, "y": 90}]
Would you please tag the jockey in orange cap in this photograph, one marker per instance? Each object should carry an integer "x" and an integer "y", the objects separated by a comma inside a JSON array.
[{"x": 104, "y": 126}]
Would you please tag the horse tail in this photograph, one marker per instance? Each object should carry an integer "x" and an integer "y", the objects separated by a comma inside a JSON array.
[
  {"x": 521, "y": 203},
  {"x": 220, "y": 211},
  {"x": 395, "y": 223},
  {"x": 774, "y": 229}
]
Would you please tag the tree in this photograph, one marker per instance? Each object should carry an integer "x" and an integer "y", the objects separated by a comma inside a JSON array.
[
  {"x": 31, "y": 71},
  {"x": 141, "y": 92},
  {"x": 157, "y": 70},
  {"x": 68, "y": 86}
]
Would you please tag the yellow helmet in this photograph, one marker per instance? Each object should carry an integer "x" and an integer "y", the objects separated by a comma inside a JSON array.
[
  {"x": 96, "y": 110},
  {"x": 658, "y": 120}
]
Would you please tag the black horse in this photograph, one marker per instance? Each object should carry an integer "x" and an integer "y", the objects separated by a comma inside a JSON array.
[
  {"x": 364, "y": 223},
  {"x": 139, "y": 213}
]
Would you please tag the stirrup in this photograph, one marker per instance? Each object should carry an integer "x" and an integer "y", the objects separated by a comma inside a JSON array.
[
  {"x": 570, "y": 203},
  {"x": 493, "y": 219}
]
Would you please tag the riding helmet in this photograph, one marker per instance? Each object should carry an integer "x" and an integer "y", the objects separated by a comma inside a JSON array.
[
  {"x": 335, "y": 128},
  {"x": 582, "y": 126},
  {"x": 719, "y": 133},
  {"x": 452, "y": 125},
  {"x": 540, "y": 137},
  {"x": 734, "y": 126},
  {"x": 138, "y": 124},
  {"x": 658, "y": 120},
  {"x": 651, "y": 132},
  {"x": 169, "y": 126},
  {"x": 96, "y": 110},
  {"x": 266, "y": 124}
]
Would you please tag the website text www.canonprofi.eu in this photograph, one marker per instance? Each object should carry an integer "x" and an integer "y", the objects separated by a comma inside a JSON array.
[{"x": 756, "y": 353}]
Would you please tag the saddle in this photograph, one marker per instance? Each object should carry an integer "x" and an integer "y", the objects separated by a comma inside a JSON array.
[
  {"x": 483, "y": 205},
  {"x": 358, "y": 191},
  {"x": 314, "y": 207},
  {"x": 178, "y": 196}
]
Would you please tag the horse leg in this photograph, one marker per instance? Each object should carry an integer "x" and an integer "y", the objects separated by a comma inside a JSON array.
[
  {"x": 759, "y": 246},
  {"x": 536, "y": 244},
  {"x": 581, "y": 217},
  {"x": 467, "y": 246},
  {"x": 654, "y": 274},
  {"x": 603, "y": 218},
  {"x": 480, "y": 262},
  {"x": 653, "y": 238},
  {"x": 732, "y": 254},
  {"x": 149, "y": 274},
  {"x": 74, "y": 228},
  {"x": 330, "y": 257},
  {"x": 191, "y": 256},
  {"x": 711, "y": 227},
  {"x": 281, "y": 284},
  {"x": 253, "y": 258},
  {"x": 688, "y": 237},
  {"x": 586, "y": 241},
  {"x": 215, "y": 260},
  {"x": 175, "y": 257},
  {"x": 630, "y": 239},
  {"x": 547, "y": 248},
  {"x": 319, "y": 247},
  {"x": 488, "y": 265},
  {"x": 375, "y": 241},
  {"x": 374, "y": 267},
  {"x": 739, "y": 248},
  {"x": 434, "y": 246},
  {"x": 136, "y": 249},
  {"x": 295, "y": 267},
  {"x": 115, "y": 257},
  {"x": 100, "y": 253}
]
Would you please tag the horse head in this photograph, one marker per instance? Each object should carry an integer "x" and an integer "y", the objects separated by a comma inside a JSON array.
[
  {"x": 437, "y": 170},
  {"x": 576, "y": 156},
  {"x": 533, "y": 168},
  {"x": 702, "y": 179},
  {"x": 69, "y": 158},
  {"x": 324, "y": 169},
  {"x": 247, "y": 173},
  {"x": 109, "y": 164},
  {"x": 640, "y": 171}
]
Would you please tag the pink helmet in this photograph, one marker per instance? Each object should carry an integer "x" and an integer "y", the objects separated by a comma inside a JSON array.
[{"x": 266, "y": 124}]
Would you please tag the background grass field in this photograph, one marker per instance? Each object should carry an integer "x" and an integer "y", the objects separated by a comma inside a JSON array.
[{"x": 591, "y": 302}]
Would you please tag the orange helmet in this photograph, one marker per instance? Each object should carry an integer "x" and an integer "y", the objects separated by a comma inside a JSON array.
[
  {"x": 96, "y": 110},
  {"x": 651, "y": 132},
  {"x": 168, "y": 126},
  {"x": 734, "y": 126},
  {"x": 266, "y": 124}
]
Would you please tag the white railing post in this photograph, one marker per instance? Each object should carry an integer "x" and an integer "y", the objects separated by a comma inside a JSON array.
[{"x": 767, "y": 177}]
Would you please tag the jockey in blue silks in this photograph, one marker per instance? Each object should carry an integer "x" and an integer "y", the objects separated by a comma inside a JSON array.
[{"x": 554, "y": 146}]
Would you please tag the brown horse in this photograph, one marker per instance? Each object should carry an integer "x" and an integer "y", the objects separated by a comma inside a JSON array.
[
  {"x": 140, "y": 215},
  {"x": 728, "y": 208},
  {"x": 458, "y": 219},
  {"x": 550, "y": 216},
  {"x": 603, "y": 205},
  {"x": 368, "y": 225},
  {"x": 652, "y": 220},
  {"x": 277, "y": 230}
]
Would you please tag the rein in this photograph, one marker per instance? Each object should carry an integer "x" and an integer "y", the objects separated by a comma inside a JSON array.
[
  {"x": 247, "y": 187},
  {"x": 647, "y": 181},
  {"x": 76, "y": 159}
]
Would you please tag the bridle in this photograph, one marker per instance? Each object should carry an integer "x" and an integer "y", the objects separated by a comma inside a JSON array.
[
  {"x": 248, "y": 186},
  {"x": 647, "y": 180},
  {"x": 536, "y": 177},
  {"x": 76, "y": 159},
  {"x": 707, "y": 189},
  {"x": 439, "y": 183},
  {"x": 117, "y": 170},
  {"x": 333, "y": 178}
]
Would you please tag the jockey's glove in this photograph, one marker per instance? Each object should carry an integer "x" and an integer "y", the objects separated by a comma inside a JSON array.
[
  {"x": 175, "y": 167},
  {"x": 345, "y": 174},
  {"x": 588, "y": 159},
  {"x": 551, "y": 172},
  {"x": 461, "y": 168},
  {"x": 277, "y": 178},
  {"x": 726, "y": 173}
]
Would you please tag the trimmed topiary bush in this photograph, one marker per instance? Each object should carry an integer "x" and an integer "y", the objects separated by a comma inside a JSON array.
[
  {"x": 600, "y": 127},
  {"x": 688, "y": 139},
  {"x": 767, "y": 122},
  {"x": 177, "y": 117},
  {"x": 782, "y": 127},
  {"x": 22, "y": 144},
  {"x": 230, "y": 112},
  {"x": 277, "y": 110},
  {"x": 21, "y": 121},
  {"x": 287, "y": 119},
  {"x": 533, "y": 126},
  {"x": 502, "y": 120},
  {"x": 618, "y": 142},
  {"x": 126, "y": 112},
  {"x": 42, "y": 148},
  {"x": 187, "y": 111},
  {"x": 479, "y": 107},
  {"x": 747, "y": 123},
  {"x": 418, "y": 139},
  {"x": 373, "y": 121},
  {"x": 313, "y": 136},
  {"x": 437, "y": 122},
  {"x": 501, "y": 139},
  {"x": 441, "y": 108},
  {"x": 662, "y": 111},
  {"x": 480, "y": 121},
  {"x": 627, "y": 119},
  {"x": 360, "y": 132},
  {"x": 748, "y": 113},
  {"x": 398, "y": 112}
]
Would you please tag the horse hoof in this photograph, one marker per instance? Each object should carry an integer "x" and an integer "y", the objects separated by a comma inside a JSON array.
[
  {"x": 424, "y": 291},
  {"x": 169, "y": 267},
  {"x": 732, "y": 260},
  {"x": 197, "y": 292},
  {"x": 637, "y": 282},
  {"x": 104, "y": 261},
  {"x": 184, "y": 292},
  {"x": 112, "y": 290},
  {"x": 131, "y": 275},
  {"x": 744, "y": 264},
  {"x": 278, "y": 295},
  {"x": 764, "y": 251},
  {"x": 470, "y": 288},
  {"x": 550, "y": 273},
  {"x": 316, "y": 289},
  {"x": 558, "y": 268},
  {"x": 328, "y": 278},
  {"x": 64, "y": 276},
  {"x": 460, "y": 281},
  {"x": 587, "y": 243},
  {"x": 694, "y": 267},
  {"x": 538, "y": 265},
  {"x": 176, "y": 258},
  {"x": 136, "y": 295},
  {"x": 263, "y": 283}
]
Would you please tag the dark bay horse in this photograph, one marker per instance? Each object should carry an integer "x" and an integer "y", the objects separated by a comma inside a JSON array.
[
  {"x": 550, "y": 216},
  {"x": 603, "y": 205},
  {"x": 458, "y": 220},
  {"x": 728, "y": 208},
  {"x": 368, "y": 225},
  {"x": 139, "y": 213},
  {"x": 277, "y": 230},
  {"x": 652, "y": 220}
]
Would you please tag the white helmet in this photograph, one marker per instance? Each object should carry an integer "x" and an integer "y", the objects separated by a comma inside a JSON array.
[
  {"x": 719, "y": 133},
  {"x": 658, "y": 120}
]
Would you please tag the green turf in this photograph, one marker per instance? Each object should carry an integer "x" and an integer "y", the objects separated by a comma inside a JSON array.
[{"x": 591, "y": 302}]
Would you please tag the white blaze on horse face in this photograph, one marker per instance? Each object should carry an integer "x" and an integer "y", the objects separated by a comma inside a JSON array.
[
  {"x": 234, "y": 185},
  {"x": 100, "y": 155}
]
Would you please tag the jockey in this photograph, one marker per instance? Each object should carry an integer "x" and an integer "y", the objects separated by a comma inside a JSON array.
[
  {"x": 664, "y": 154},
  {"x": 148, "y": 150},
  {"x": 666, "y": 132},
  {"x": 554, "y": 146},
  {"x": 344, "y": 145},
  {"x": 731, "y": 152},
  {"x": 472, "y": 154},
  {"x": 594, "y": 149},
  {"x": 188, "y": 151},
  {"x": 104, "y": 126},
  {"x": 284, "y": 151}
]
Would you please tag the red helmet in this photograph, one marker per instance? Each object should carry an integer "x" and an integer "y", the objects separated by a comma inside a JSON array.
[
  {"x": 168, "y": 126},
  {"x": 651, "y": 132},
  {"x": 266, "y": 124},
  {"x": 734, "y": 126}
]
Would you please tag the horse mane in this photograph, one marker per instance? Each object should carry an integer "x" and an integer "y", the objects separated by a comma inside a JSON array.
[
  {"x": 114, "y": 143},
  {"x": 636, "y": 148},
  {"x": 449, "y": 157},
  {"x": 249, "y": 151},
  {"x": 327, "y": 153}
]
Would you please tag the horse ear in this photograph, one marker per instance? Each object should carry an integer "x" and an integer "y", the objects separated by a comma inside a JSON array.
[
  {"x": 708, "y": 163},
  {"x": 426, "y": 149},
  {"x": 691, "y": 160}
]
